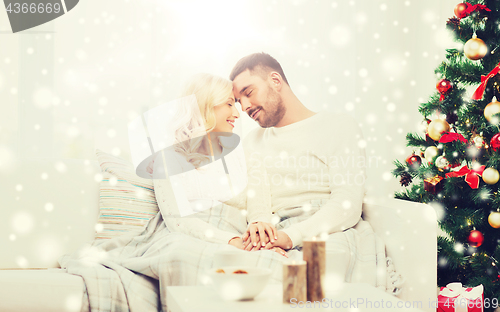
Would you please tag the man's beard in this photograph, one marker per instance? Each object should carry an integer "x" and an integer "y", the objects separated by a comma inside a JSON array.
[{"x": 274, "y": 112}]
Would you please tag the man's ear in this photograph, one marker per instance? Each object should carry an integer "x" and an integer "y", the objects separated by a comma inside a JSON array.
[{"x": 276, "y": 81}]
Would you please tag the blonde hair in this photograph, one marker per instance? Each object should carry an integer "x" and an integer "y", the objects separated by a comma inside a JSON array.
[{"x": 209, "y": 91}]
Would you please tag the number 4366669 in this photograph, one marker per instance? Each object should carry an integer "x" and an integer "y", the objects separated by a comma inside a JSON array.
[{"x": 34, "y": 8}]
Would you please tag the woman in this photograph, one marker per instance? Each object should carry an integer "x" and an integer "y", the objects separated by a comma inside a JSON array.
[{"x": 200, "y": 158}]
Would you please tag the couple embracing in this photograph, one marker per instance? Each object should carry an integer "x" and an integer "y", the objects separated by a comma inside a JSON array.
[
  {"x": 301, "y": 176},
  {"x": 297, "y": 186}
]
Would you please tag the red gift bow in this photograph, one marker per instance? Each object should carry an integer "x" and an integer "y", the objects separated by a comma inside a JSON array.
[
  {"x": 484, "y": 80},
  {"x": 450, "y": 137},
  {"x": 471, "y": 8},
  {"x": 463, "y": 297},
  {"x": 471, "y": 175}
]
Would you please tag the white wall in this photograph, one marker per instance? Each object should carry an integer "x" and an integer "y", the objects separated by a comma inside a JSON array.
[{"x": 73, "y": 84}]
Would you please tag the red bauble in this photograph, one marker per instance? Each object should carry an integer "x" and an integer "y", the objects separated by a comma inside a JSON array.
[
  {"x": 444, "y": 86},
  {"x": 495, "y": 142},
  {"x": 414, "y": 160},
  {"x": 476, "y": 238},
  {"x": 460, "y": 10}
]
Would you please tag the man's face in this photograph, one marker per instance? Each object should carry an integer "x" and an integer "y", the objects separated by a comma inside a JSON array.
[{"x": 258, "y": 99}]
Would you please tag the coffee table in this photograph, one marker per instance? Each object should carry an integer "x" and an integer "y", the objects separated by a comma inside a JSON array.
[{"x": 349, "y": 297}]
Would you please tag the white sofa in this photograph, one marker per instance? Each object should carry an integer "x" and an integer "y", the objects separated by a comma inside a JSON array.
[{"x": 50, "y": 207}]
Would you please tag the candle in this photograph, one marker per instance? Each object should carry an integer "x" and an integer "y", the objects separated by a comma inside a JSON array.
[
  {"x": 314, "y": 254},
  {"x": 294, "y": 281}
]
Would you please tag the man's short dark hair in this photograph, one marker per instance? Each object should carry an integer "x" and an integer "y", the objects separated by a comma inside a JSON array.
[{"x": 258, "y": 63}]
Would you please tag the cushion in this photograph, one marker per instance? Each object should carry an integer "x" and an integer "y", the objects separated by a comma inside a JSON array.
[{"x": 126, "y": 201}]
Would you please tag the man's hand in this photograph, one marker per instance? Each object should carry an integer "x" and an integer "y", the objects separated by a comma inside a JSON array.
[
  {"x": 263, "y": 229},
  {"x": 236, "y": 242},
  {"x": 283, "y": 241}
]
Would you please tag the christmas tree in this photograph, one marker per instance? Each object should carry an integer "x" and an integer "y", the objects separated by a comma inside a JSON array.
[{"x": 455, "y": 166}]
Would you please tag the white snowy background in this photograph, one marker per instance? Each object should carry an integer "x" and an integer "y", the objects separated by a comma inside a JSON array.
[{"x": 73, "y": 84}]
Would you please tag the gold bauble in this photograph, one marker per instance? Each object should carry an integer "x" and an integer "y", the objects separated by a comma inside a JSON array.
[
  {"x": 494, "y": 219},
  {"x": 430, "y": 153},
  {"x": 475, "y": 49},
  {"x": 492, "y": 109},
  {"x": 490, "y": 176},
  {"x": 437, "y": 127}
]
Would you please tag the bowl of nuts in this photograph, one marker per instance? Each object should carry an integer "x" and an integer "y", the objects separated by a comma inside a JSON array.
[{"x": 239, "y": 282}]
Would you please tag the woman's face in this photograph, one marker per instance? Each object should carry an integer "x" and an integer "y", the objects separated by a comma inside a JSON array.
[{"x": 225, "y": 115}]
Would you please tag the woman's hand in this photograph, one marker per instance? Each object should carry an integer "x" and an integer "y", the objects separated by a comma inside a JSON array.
[
  {"x": 236, "y": 242},
  {"x": 277, "y": 249},
  {"x": 248, "y": 246},
  {"x": 264, "y": 230}
]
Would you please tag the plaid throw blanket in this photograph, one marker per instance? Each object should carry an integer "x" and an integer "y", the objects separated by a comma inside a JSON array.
[{"x": 132, "y": 272}]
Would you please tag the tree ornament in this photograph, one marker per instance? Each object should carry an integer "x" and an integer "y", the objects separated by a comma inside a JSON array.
[
  {"x": 494, "y": 219},
  {"x": 475, "y": 238},
  {"x": 444, "y": 87},
  {"x": 430, "y": 153},
  {"x": 460, "y": 10},
  {"x": 471, "y": 175},
  {"x": 495, "y": 142},
  {"x": 442, "y": 163},
  {"x": 414, "y": 160},
  {"x": 452, "y": 137},
  {"x": 492, "y": 109},
  {"x": 434, "y": 184},
  {"x": 453, "y": 21},
  {"x": 423, "y": 125},
  {"x": 405, "y": 179},
  {"x": 478, "y": 94},
  {"x": 477, "y": 140},
  {"x": 437, "y": 127},
  {"x": 475, "y": 49},
  {"x": 490, "y": 176}
]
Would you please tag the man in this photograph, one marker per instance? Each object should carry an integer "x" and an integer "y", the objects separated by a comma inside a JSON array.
[{"x": 296, "y": 158}]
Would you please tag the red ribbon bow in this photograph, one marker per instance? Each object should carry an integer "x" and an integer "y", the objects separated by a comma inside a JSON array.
[
  {"x": 471, "y": 175},
  {"x": 450, "y": 137},
  {"x": 471, "y": 8},
  {"x": 484, "y": 80}
]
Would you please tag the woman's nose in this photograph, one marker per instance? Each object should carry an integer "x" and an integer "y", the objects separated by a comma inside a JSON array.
[{"x": 235, "y": 112}]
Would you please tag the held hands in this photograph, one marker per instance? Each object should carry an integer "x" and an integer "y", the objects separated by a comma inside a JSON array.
[
  {"x": 262, "y": 235},
  {"x": 238, "y": 243},
  {"x": 259, "y": 232}
]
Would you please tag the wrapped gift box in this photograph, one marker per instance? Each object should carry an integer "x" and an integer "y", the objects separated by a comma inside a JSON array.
[
  {"x": 455, "y": 298},
  {"x": 434, "y": 184}
]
